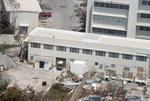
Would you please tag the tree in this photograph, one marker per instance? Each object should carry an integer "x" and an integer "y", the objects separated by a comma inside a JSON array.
[
  {"x": 19, "y": 39},
  {"x": 5, "y": 26},
  {"x": 80, "y": 11}
]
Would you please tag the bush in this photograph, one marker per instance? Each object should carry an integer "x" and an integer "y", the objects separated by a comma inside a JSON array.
[{"x": 3, "y": 86}]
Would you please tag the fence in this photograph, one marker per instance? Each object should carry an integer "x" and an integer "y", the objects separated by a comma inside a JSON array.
[{"x": 77, "y": 91}]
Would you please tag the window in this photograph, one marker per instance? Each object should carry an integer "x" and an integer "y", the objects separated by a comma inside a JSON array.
[
  {"x": 107, "y": 5},
  {"x": 46, "y": 46},
  {"x": 110, "y": 5},
  {"x": 113, "y": 55},
  {"x": 35, "y": 45},
  {"x": 145, "y": 2},
  {"x": 108, "y": 31},
  {"x": 147, "y": 16},
  {"x": 127, "y": 56},
  {"x": 96, "y": 63},
  {"x": 96, "y": 3},
  {"x": 23, "y": 29},
  {"x": 144, "y": 28},
  {"x": 100, "y": 53},
  {"x": 61, "y": 48},
  {"x": 126, "y": 69},
  {"x": 74, "y": 50},
  {"x": 87, "y": 51},
  {"x": 141, "y": 58},
  {"x": 113, "y": 65},
  {"x": 101, "y": 4}
]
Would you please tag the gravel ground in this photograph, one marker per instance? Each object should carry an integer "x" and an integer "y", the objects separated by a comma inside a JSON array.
[
  {"x": 25, "y": 76},
  {"x": 22, "y": 74},
  {"x": 63, "y": 15}
]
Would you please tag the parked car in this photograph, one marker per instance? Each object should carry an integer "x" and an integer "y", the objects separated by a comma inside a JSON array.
[{"x": 45, "y": 14}]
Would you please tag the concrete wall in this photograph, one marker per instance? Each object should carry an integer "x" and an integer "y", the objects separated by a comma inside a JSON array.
[
  {"x": 132, "y": 16},
  {"x": 7, "y": 39},
  {"x": 30, "y": 18}
]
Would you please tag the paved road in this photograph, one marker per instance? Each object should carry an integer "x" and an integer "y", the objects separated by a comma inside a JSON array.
[{"x": 63, "y": 16}]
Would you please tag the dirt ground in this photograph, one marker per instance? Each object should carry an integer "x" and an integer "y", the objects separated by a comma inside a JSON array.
[{"x": 23, "y": 75}]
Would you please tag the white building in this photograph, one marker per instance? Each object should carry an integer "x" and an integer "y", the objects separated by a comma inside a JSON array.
[
  {"x": 110, "y": 55},
  {"x": 126, "y": 18},
  {"x": 24, "y": 14}
]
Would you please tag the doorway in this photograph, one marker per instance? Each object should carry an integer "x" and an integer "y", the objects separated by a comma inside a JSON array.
[{"x": 41, "y": 64}]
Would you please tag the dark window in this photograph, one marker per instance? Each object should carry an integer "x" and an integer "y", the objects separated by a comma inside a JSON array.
[
  {"x": 141, "y": 58},
  {"x": 122, "y": 7},
  {"x": 141, "y": 28},
  {"x": 96, "y": 3},
  {"x": 144, "y": 2},
  {"x": 113, "y": 55},
  {"x": 35, "y": 45},
  {"x": 50, "y": 47},
  {"x": 87, "y": 51},
  {"x": 142, "y": 15},
  {"x": 116, "y": 6},
  {"x": 127, "y": 7},
  {"x": 61, "y": 48},
  {"x": 74, "y": 50},
  {"x": 107, "y": 5},
  {"x": 126, "y": 68},
  {"x": 96, "y": 63},
  {"x": 100, "y": 53},
  {"x": 127, "y": 56},
  {"x": 101, "y": 4},
  {"x": 147, "y": 29}
]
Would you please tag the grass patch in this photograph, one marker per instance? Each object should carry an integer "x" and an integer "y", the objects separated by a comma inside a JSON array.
[{"x": 57, "y": 92}]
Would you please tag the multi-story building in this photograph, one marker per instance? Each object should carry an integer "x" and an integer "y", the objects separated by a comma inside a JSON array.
[
  {"x": 126, "y": 18},
  {"x": 113, "y": 56}
]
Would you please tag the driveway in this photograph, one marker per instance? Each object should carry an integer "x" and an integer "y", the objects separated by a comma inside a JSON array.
[{"x": 63, "y": 15}]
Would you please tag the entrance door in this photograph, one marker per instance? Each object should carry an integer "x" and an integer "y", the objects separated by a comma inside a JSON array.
[{"x": 41, "y": 64}]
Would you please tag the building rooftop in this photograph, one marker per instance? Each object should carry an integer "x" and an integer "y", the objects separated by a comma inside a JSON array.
[
  {"x": 87, "y": 37},
  {"x": 22, "y": 5}
]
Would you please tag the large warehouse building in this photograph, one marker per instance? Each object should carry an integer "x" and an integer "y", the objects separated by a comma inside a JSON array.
[{"x": 110, "y": 55}]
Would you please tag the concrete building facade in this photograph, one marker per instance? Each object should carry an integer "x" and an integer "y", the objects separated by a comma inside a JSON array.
[
  {"x": 125, "y": 18},
  {"x": 24, "y": 14},
  {"x": 112, "y": 56}
]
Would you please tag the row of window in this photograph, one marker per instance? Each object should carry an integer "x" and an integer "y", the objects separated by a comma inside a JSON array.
[
  {"x": 111, "y": 5},
  {"x": 145, "y": 2},
  {"x": 109, "y": 31},
  {"x": 145, "y": 15},
  {"x": 110, "y": 18},
  {"x": 144, "y": 28},
  {"x": 89, "y": 52}
]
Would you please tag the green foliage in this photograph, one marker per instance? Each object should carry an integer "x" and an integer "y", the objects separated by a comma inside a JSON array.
[
  {"x": 57, "y": 92},
  {"x": 7, "y": 28},
  {"x": 3, "y": 86},
  {"x": 5, "y": 46}
]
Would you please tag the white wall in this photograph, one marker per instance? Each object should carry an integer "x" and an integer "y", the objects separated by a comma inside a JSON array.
[
  {"x": 30, "y": 18},
  {"x": 131, "y": 14},
  {"x": 90, "y": 59}
]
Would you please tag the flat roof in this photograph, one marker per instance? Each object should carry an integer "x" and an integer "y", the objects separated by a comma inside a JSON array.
[
  {"x": 22, "y": 5},
  {"x": 100, "y": 39}
]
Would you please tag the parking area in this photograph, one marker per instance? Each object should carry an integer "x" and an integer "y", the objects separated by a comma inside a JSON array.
[{"x": 63, "y": 15}]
